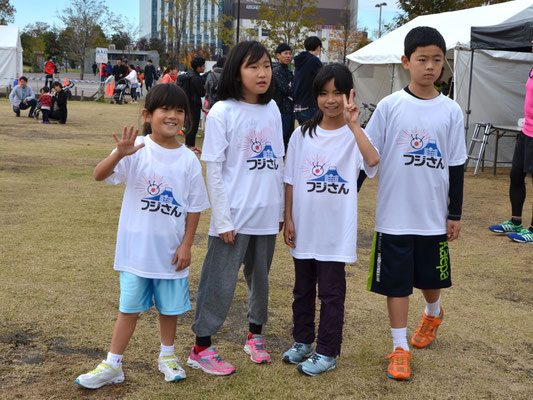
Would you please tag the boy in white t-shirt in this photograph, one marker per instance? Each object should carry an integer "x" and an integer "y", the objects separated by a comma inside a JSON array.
[{"x": 420, "y": 138}]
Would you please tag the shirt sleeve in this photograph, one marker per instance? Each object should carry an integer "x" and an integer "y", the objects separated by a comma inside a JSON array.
[
  {"x": 376, "y": 128},
  {"x": 216, "y": 140},
  {"x": 120, "y": 172},
  {"x": 457, "y": 149},
  {"x": 220, "y": 208},
  {"x": 198, "y": 200},
  {"x": 290, "y": 159}
]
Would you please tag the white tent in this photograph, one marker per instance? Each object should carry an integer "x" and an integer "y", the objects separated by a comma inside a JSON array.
[
  {"x": 10, "y": 55},
  {"x": 498, "y": 84}
]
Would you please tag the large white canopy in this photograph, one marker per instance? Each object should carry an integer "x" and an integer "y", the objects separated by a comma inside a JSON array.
[
  {"x": 454, "y": 26},
  {"x": 10, "y": 54}
]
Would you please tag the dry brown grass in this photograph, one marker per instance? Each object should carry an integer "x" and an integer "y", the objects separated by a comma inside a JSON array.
[{"x": 59, "y": 293}]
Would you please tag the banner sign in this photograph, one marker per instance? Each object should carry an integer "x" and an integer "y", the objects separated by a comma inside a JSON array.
[{"x": 101, "y": 55}]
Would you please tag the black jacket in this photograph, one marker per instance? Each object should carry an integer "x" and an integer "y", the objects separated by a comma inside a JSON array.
[
  {"x": 150, "y": 74},
  {"x": 119, "y": 72},
  {"x": 306, "y": 65},
  {"x": 197, "y": 90},
  {"x": 283, "y": 92},
  {"x": 59, "y": 106}
]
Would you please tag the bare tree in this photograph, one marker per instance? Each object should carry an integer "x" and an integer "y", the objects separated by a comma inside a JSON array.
[
  {"x": 80, "y": 18},
  {"x": 178, "y": 14}
]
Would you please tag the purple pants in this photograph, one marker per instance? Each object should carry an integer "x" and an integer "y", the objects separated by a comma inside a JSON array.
[{"x": 331, "y": 280}]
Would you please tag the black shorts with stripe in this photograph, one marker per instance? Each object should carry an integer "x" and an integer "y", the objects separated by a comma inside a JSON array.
[{"x": 400, "y": 262}]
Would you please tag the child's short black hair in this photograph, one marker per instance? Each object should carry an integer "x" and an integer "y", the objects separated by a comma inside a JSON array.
[
  {"x": 166, "y": 95},
  {"x": 45, "y": 89},
  {"x": 312, "y": 43},
  {"x": 423, "y": 36},
  {"x": 343, "y": 81},
  {"x": 197, "y": 62},
  {"x": 23, "y": 78},
  {"x": 230, "y": 86}
]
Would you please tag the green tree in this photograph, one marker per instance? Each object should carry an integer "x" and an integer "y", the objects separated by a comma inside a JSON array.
[
  {"x": 288, "y": 21},
  {"x": 7, "y": 12},
  {"x": 33, "y": 44},
  {"x": 81, "y": 18},
  {"x": 414, "y": 8}
]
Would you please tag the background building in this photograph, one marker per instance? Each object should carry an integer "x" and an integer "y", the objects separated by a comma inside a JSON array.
[{"x": 199, "y": 31}]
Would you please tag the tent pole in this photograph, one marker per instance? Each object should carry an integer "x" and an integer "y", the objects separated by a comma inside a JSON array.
[
  {"x": 392, "y": 78},
  {"x": 468, "y": 111}
]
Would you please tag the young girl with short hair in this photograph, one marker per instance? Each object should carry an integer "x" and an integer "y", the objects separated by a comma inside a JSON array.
[
  {"x": 323, "y": 161},
  {"x": 164, "y": 196},
  {"x": 243, "y": 150}
]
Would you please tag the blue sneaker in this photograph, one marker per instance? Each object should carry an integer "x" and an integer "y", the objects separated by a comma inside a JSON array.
[
  {"x": 297, "y": 353},
  {"x": 523, "y": 236},
  {"x": 506, "y": 227},
  {"x": 316, "y": 364}
]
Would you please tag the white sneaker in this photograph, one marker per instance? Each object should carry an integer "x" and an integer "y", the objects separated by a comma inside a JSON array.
[
  {"x": 102, "y": 375},
  {"x": 170, "y": 366}
]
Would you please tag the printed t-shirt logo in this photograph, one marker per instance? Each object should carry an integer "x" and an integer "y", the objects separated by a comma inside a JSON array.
[
  {"x": 323, "y": 177},
  {"x": 260, "y": 154},
  {"x": 161, "y": 198},
  {"x": 420, "y": 149}
]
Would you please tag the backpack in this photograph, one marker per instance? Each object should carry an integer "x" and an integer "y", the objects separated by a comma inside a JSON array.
[
  {"x": 184, "y": 82},
  {"x": 212, "y": 95}
]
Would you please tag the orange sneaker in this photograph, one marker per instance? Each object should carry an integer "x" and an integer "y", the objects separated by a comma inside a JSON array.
[
  {"x": 399, "y": 367},
  {"x": 425, "y": 334}
]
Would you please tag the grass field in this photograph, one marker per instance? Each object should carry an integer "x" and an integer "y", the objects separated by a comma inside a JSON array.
[{"x": 59, "y": 293}]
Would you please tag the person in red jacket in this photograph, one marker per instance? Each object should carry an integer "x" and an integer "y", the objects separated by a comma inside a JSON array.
[
  {"x": 46, "y": 103},
  {"x": 49, "y": 68}
]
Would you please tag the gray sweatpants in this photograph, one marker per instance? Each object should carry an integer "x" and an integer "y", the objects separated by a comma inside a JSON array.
[{"x": 219, "y": 279}]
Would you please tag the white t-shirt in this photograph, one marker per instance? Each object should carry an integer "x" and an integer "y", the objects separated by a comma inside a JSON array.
[
  {"x": 248, "y": 140},
  {"x": 323, "y": 171},
  {"x": 162, "y": 186},
  {"x": 417, "y": 141}
]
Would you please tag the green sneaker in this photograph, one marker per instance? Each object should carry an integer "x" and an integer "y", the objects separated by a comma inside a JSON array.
[
  {"x": 506, "y": 227},
  {"x": 523, "y": 236}
]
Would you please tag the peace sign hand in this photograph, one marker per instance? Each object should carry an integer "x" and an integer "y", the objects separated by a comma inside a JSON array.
[
  {"x": 351, "y": 112},
  {"x": 126, "y": 145}
]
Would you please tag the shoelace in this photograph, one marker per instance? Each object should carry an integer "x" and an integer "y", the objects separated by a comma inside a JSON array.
[
  {"x": 315, "y": 358},
  {"x": 96, "y": 370},
  {"x": 426, "y": 327},
  {"x": 398, "y": 358},
  {"x": 172, "y": 365},
  {"x": 259, "y": 346},
  {"x": 297, "y": 346}
]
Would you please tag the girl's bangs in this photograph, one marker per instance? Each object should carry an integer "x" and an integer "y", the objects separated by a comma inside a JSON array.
[
  {"x": 255, "y": 53},
  {"x": 171, "y": 98}
]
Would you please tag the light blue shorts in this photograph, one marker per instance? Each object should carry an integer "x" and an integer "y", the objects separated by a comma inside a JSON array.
[{"x": 138, "y": 294}]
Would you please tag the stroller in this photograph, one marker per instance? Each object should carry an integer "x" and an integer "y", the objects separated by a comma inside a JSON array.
[{"x": 120, "y": 91}]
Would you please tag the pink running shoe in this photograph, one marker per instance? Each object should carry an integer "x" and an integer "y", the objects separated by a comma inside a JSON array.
[
  {"x": 255, "y": 347},
  {"x": 210, "y": 362}
]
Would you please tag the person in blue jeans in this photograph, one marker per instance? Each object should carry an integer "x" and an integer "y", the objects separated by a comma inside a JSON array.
[
  {"x": 22, "y": 97},
  {"x": 306, "y": 65}
]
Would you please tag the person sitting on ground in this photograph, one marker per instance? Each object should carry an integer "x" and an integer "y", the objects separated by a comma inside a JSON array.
[
  {"x": 22, "y": 97},
  {"x": 45, "y": 101},
  {"x": 59, "y": 103}
]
